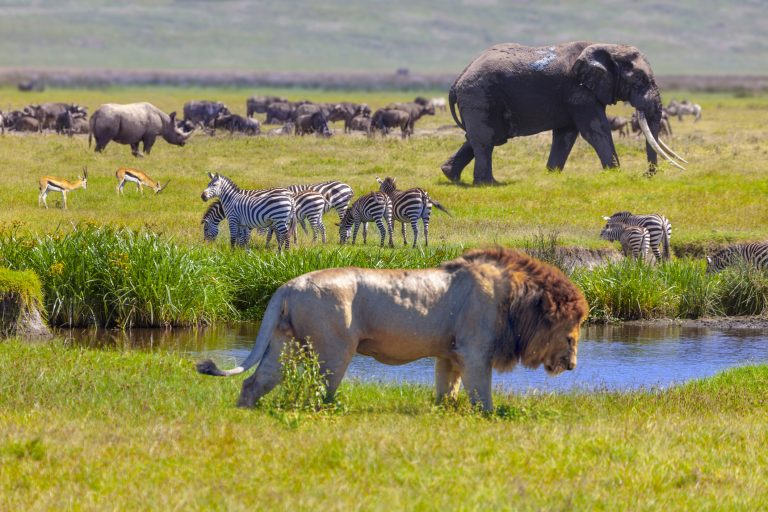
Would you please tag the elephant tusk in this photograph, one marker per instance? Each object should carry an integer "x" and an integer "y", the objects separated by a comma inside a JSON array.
[
  {"x": 669, "y": 150},
  {"x": 649, "y": 138}
]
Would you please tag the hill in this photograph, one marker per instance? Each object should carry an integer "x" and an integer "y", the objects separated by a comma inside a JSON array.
[{"x": 682, "y": 37}]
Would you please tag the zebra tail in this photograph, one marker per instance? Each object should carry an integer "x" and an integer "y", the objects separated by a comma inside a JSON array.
[
  {"x": 452, "y": 102},
  {"x": 665, "y": 243},
  {"x": 440, "y": 207},
  {"x": 273, "y": 319}
]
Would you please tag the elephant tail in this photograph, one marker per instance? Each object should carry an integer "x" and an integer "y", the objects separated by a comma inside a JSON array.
[{"x": 452, "y": 102}]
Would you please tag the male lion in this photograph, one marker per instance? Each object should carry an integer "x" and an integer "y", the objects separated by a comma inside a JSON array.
[{"x": 487, "y": 309}]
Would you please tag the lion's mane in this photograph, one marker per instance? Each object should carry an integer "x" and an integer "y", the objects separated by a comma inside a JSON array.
[{"x": 534, "y": 298}]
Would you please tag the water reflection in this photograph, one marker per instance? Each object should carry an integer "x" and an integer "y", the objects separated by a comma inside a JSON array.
[{"x": 614, "y": 357}]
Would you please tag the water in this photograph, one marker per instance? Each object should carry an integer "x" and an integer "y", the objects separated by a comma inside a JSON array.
[{"x": 620, "y": 357}]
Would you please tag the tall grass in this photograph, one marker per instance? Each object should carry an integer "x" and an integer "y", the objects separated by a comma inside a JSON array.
[
  {"x": 106, "y": 276},
  {"x": 629, "y": 290}
]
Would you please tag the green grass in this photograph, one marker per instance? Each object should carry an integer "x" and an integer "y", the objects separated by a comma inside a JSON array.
[
  {"x": 90, "y": 429},
  {"x": 719, "y": 199},
  {"x": 24, "y": 284},
  {"x": 102, "y": 276}
]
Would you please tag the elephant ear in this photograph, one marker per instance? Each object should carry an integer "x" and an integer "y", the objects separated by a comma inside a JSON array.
[{"x": 596, "y": 70}]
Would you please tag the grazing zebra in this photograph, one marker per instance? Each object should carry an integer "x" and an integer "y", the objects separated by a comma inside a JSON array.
[
  {"x": 339, "y": 194},
  {"x": 752, "y": 254},
  {"x": 635, "y": 240},
  {"x": 310, "y": 206},
  {"x": 658, "y": 226},
  {"x": 214, "y": 214},
  {"x": 372, "y": 207},
  {"x": 410, "y": 206},
  {"x": 273, "y": 210}
]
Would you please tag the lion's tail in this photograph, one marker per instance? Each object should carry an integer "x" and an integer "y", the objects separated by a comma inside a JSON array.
[{"x": 272, "y": 319}]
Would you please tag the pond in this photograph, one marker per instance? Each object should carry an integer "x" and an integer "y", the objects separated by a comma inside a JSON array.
[{"x": 611, "y": 357}]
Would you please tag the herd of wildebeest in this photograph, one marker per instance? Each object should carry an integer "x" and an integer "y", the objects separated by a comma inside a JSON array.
[{"x": 295, "y": 117}]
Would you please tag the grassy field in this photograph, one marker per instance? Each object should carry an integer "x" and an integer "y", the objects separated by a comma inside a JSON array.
[
  {"x": 721, "y": 198},
  {"x": 87, "y": 429}
]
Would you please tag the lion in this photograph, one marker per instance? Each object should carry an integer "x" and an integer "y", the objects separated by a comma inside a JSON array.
[{"x": 486, "y": 309}]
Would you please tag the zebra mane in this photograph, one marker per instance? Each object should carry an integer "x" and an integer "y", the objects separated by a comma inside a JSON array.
[{"x": 231, "y": 183}]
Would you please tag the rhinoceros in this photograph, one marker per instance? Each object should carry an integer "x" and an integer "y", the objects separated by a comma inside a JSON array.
[{"x": 134, "y": 123}]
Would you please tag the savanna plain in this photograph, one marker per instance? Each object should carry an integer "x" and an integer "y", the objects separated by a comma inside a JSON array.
[{"x": 110, "y": 428}]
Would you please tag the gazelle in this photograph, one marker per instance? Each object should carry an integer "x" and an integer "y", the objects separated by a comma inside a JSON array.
[
  {"x": 52, "y": 183},
  {"x": 138, "y": 177}
]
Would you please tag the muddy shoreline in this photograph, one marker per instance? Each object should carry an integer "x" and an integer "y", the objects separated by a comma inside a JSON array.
[{"x": 718, "y": 322}]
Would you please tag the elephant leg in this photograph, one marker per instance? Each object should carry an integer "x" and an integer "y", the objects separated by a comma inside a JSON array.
[
  {"x": 483, "y": 164},
  {"x": 455, "y": 164},
  {"x": 562, "y": 143},
  {"x": 596, "y": 130},
  {"x": 266, "y": 377},
  {"x": 447, "y": 379}
]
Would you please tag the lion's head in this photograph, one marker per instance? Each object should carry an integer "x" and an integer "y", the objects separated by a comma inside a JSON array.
[{"x": 542, "y": 311}]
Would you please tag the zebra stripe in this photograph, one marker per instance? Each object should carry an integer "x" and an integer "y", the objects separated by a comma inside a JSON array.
[
  {"x": 635, "y": 240},
  {"x": 372, "y": 207},
  {"x": 271, "y": 210},
  {"x": 659, "y": 228},
  {"x": 751, "y": 254},
  {"x": 338, "y": 193},
  {"x": 215, "y": 214},
  {"x": 410, "y": 206},
  {"x": 310, "y": 206}
]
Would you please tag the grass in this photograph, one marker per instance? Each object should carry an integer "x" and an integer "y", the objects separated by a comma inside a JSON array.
[
  {"x": 719, "y": 199},
  {"x": 92, "y": 429},
  {"x": 102, "y": 276},
  {"x": 24, "y": 285}
]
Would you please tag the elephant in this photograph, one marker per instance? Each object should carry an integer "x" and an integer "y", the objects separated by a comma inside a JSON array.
[
  {"x": 511, "y": 90},
  {"x": 133, "y": 123}
]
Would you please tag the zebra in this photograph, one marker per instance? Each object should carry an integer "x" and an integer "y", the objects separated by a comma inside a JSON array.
[
  {"x": 658, "y": 226},
  {"x": 274, "y": 210},
  {"x": 635, "y": 240},
  {"x": 214, "y": 214},
  {"x": 410, "y": 206},
  {"x": 753, "y": 254},
  {"x": 310, "y": 206},
  {"x": 372, "y": 207},
  {"x": 339, "y": 194}
]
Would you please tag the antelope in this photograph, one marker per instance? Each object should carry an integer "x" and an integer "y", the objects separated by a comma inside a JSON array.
[
  {"x": 52, "y": 183},
  {"x": 138, "y": 177}
]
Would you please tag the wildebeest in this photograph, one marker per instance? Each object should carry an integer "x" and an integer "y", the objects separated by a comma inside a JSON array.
[
  {"x": 384, "y": 119},
  {"x": 26, "y": 123},
  {"x": 415, "y": 110},
  {"x": 134, "y": 123},
  {"x": 619, "y": 124},
  {"x": 236, "y": 123},
  {"x": 664, "y": 128},
  {"x": 79, "y": 125},
  {"x": 360, "y": 123},
  {"x": 311, "y": 108},
  {"x": 312, "y": 123},
  {"x": 259, "y": 104},
  {"x": 204, "y": 112},
  {"x": 279, "y": 113},
  {"x": 345, "y": 111},
  {"x": 48, "y": 113}
]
